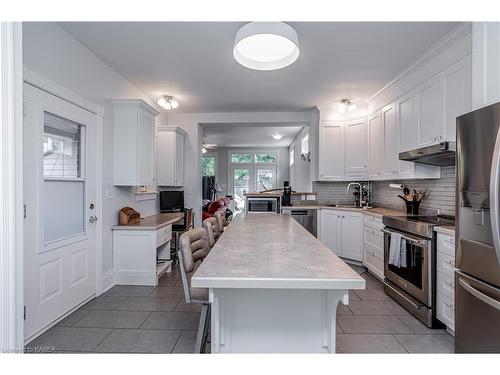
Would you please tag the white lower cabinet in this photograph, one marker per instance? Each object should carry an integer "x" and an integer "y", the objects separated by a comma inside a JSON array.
[
  {"x": 445, "y": 283},
  {"x": 135, "y": 254},
  {"x": 373, "y": 245},
  {"x": 341, "y": 232}
]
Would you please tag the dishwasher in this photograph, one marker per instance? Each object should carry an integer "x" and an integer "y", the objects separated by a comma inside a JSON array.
[{"x": 305, "y": 217}]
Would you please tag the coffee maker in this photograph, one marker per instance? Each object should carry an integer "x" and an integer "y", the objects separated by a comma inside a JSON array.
[{"x": 286, "y": 198}]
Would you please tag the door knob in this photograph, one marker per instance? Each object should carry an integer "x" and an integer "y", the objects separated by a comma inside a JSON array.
[{"x": 92, "y": 219}]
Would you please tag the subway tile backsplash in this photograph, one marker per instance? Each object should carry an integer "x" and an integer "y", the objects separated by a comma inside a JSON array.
[{"x": 441, "y": 192}]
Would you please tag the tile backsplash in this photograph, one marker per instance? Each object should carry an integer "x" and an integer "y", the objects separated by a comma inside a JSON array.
[{"x": 441, "y": 192}]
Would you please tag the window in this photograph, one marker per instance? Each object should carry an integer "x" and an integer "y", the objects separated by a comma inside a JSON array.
[
  {"x": 292, "y": 156},
  {"x": 61, "y": 148},
  {"x": 304, "y": 145},
  {"x": 269, "y": 157},
  {"x": 208, "y": 165},
  {"x": 241, "y": 158},
  {"x": 265, "y": 179}
]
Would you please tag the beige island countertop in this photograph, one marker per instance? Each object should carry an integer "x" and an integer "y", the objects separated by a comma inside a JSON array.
[
  {"x": 153, "y": 222},
  {"x": 273, "y": 251}
]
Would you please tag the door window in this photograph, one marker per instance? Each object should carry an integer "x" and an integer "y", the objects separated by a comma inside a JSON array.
[
  {"x": 241, "y": 181},
  {"x": 63, "y": 184}
]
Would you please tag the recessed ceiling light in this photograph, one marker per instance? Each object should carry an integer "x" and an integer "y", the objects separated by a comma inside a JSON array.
[
  {"x": 266, "y": 45},
  {"x": 277, "y": 136},
  {"x": 168, "y": 103}
]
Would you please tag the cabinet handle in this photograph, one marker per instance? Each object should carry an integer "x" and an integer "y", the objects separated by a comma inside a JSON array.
[
  {"x": 451, "y": 262},
  {"x": 450, "y": 305},
  {"x": 433, "y": 138},
  {"x": 451, "y": 285}
]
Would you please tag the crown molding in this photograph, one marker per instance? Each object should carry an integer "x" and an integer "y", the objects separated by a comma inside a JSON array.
[{"x": 451, "y": 38}]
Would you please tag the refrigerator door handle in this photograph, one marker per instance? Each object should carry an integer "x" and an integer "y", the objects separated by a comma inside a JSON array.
[
  {"x": 481, "y": 296},
  {"x": 494, "y": 192}
]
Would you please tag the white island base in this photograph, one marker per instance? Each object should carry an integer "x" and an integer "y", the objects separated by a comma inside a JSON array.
[{"x": 274, "y": 320}]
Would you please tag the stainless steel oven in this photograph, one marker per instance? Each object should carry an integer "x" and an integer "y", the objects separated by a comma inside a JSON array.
[
  {"x": 415, "y": 278},
  {"x": 263, "y": 204},
  {"x": 413, "y": 283}
]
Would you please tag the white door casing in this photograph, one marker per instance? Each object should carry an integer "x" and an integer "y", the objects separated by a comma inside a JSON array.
[{"x": 60, "y": 274}]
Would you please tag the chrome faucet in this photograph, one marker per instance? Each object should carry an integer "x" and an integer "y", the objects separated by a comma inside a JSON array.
[{"x": 360, "y": 190}]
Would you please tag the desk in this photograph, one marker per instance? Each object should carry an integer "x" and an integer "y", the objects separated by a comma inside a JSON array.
[{"x": 137, "y": 247}]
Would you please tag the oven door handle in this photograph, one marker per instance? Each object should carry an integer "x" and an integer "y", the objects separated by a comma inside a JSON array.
[{"x": 412, "y": 240}]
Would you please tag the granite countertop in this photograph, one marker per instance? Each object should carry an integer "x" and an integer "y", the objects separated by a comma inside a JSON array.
[
  {"x": 153, "y": 222},
  {"x": 272, "y": 251},
  {"x": 445, "y": 229},
  {"x": 376, "y": 211}
]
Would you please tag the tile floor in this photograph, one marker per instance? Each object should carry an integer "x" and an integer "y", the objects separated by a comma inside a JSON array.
[{"x": 139, "y": 319}]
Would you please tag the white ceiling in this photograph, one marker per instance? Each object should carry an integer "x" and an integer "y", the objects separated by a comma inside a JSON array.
[
  {"x": 249, "y": 135},
  {"x": 193, "y": 61}
]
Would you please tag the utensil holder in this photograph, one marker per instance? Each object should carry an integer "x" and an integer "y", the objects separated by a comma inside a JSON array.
[{"x": 412, "y": 208}]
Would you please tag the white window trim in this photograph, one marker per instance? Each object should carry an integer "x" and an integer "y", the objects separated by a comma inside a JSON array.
[{"x": 292, "y": 156}]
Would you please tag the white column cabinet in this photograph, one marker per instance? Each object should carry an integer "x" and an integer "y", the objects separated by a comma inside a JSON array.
[
  {"x": 341, "y": 232},
  {"x": 133, "y": 143},
  {"x": 485, "y": 63},
  {"x": 170, "y": 151},
  {"x": 356, "y": 151},
  {"x": 331, "y": 151}
]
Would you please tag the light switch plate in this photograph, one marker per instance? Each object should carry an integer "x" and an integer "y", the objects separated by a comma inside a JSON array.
[{"x": 110, "y": 194}]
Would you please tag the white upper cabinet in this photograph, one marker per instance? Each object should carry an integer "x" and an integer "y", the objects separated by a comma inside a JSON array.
[
  {"x": 133, "y": 143},
  {"x": 428, "y": 109},
  {"x": 331, "y": 151},
  {"x": 485, "y": 63},
  {"x": 170, "y": 156},
  {"x": 457, "y": 94},
  {"x": 356, "y": 151},
  {"x": 440, "y": 100},
  {"x": 375, "y": 147},
  {"x": 405, "y": 117},
  {"x": 390, "y": 161}
]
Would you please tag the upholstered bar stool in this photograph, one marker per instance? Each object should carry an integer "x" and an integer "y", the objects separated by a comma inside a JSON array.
[
  {"x": 211, "y": 226},
  {"x": 221, "y": 220},
  {"x": 194, "y": 247}
]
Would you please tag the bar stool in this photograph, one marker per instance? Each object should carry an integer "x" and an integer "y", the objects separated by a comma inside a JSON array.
[
  {"x": 211, "y": 226},
  {"x": 221, "y": 220},
  {"x": 194, "y": 247}
]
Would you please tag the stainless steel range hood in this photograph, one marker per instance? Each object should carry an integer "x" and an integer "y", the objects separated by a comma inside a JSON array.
[{"x": 439, "y": 154}]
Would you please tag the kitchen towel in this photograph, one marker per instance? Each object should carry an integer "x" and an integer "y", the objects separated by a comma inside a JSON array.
[
  {"x": 395, "y": 249},
  {"x": 402, "y": 254}
]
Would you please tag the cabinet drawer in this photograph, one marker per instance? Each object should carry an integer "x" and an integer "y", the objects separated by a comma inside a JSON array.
[
  {"x": 373, "y": 240},
  {"x": 446, "y": 264},
  {"x": 373, "y": 263},
  {"x": 367, "y": 219},
  {"x": 163, "y": 235},
  {"x": 445, "y": 310},
  {"x": 446, "y": 244},
  {"x": 446, "y": 285}
]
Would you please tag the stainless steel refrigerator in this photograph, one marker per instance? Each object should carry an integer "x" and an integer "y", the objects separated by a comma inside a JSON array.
[{"x": 477, "y": 280}]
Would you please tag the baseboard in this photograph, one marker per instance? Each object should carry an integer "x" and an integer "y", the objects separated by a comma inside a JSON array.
[{"x": 108, "y": 280}]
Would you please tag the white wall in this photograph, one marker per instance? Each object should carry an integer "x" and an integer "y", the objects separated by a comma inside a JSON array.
[
  {"x": 300, "y": 171},
  {"x": 190, "y": 122},
  {"x": 54, "y": 54}
]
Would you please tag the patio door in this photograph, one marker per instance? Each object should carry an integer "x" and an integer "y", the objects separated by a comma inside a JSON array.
[
  {"x": 60, "y": 190},
  {"x": 246, "y": 178}
]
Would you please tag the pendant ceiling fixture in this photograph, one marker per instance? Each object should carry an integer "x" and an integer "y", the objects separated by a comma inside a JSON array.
[{"x": 266, "y": 45}]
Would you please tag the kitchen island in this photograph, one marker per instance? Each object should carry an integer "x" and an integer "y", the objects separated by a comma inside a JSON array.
[{"x": 273, "y": 287}]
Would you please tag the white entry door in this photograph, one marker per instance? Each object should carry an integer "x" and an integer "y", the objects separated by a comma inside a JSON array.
[{"x": 60, "y": 190}]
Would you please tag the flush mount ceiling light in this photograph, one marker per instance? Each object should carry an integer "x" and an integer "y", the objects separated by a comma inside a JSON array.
[
  {"x": 168, "y": 103},
  {"x": 346, "y": 104},
  {"x": 266, "y": 45},
  {"x": 277, "y": 136}
]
